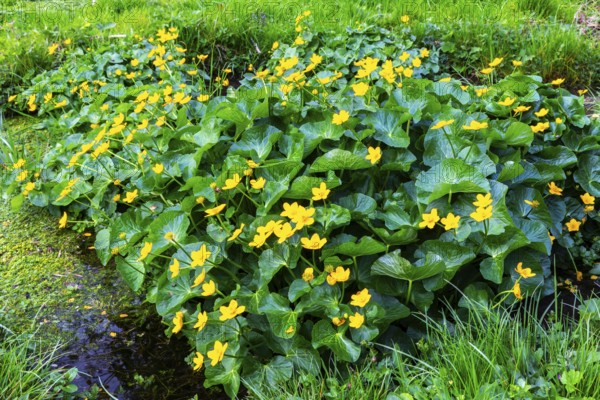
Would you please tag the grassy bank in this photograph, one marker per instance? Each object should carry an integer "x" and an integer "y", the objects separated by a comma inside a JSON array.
[
  {"x": 552, "y": 37},
  {"x": 476, "y": 354}
]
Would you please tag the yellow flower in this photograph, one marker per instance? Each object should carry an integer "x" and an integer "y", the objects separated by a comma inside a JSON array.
[
  {"x": 202, "y": 320},
  {"x": 275, "y": 46},
  {"x": 161, "y": 120},
  {"x": 258, "y": 240},
  {"x": 303, "y": 217},
  {"x": 52, "y": 48},
  {"x": 507, "y": 102},
  {"x": 321, "y": 192},
  {"x": 482, "y": 213},
  {"x": 540, "y": 127},
  {"x": 169, "y": 236},
  {"x": 483, "y": 201},
  {"x": 532, "y": 203},
  {"x": 236, "y": 233},
  {"x": 62, "y": 223},
  {"x": 521, "y": 109},
  {"x": 551, "y": 238},
  {"x": 158, "y": 168},
  {"x": 558, "y": 120},
  {"x": 424, "y": 53},
  {"x": 338, "y": 321},
  {"x": 316, "y": 59},
  {"x": 517, "y": 63},
  {"x": 178, "y": 321},
  {"x": 19, "y": 164},
  {"x": 283, "y": 232},
  {"x": 130, "y": 196},
  {"x": 174, "y": 268},
  {"x": 211, "y": 212},
  {"x": 258, "y": 183},
  {"x": 416, "y": 62},
  {"x": 487, "y": 71},
  {"x": 356, "y": 320},
  {"x": 587, "y": 199},
  {"x": 517, "y": 291},
  {"x": 524, "y": 272},
  {"x": 496, "y": 62},
  {"x": 143, "y": 124},
  {"x": 541, "y": 113},
  {"x": 442, "y": 124},
  {"x": 451, "y": 221},
  {"x": 28, "y": 188},
  {"x": 217, "y": 353},
  {"x": 199, "y": 257},
  {"x": 209, "y": 288},
  {"x": 21, "y": 176},
  {"x": 290, "y": 210},
  {"x": 475, "y": 126},
  {"x": 374, "y": 154},
  {"x": 339, "y": 119},
  {"x": 338, "y": 275},
  {"x": 573, "y": 225},
  {"x": 405, "y": 19},
  {"x": 314, "y": 243},
  {"x": 553, "y": 189},
  {"x": 481, "y": 91},
  {"x": 231, "y": 311},
  {"x": 232, "y": 182},
  {"x": 360, "y": 89},
  {"x": 360, "y": 299},
  {"x": 404, "y": 56},
  {"x": 557, "y": 82},
  {"x": 429, "y": 220},
  {"x": 198, "y": 361},
  {"x": 203, "y": 97},
  {"x": 145, "y": 251},
  {"x": 200, "y": 278},
  {"x": 308, "y": 275}
]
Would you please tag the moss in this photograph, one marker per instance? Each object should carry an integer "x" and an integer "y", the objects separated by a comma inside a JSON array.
[{"x": 46, "y": 272}]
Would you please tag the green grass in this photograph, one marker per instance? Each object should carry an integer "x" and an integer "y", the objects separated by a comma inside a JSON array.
[
  {"x": 26, "y": 367},
  {"x": 239, "y": 32},
  {"x": 473, "y": 354}
]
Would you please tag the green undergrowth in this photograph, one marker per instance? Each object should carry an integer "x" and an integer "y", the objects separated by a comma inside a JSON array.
[
  {"x": 43, "y": 269},
  {"x": 479, "y": 353},
  {"x": 238, "y": 33},
  {"x": 26, "y": 367}
]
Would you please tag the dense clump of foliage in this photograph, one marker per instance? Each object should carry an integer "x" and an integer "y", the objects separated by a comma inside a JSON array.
[{"x": 313, "y": 208}]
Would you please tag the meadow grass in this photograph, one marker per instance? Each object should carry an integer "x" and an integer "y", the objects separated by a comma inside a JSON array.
[
  {"x": 479, "y": 353},
  {"x": 241, "y": 31},
  {"x": 26, "y": 370}
]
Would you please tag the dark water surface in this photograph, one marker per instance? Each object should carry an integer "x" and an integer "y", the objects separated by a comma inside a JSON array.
[{"x": 129, "y": 355}]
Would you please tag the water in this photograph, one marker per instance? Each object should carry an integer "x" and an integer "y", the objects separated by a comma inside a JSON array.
[{"x": 129, "y": 356}]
